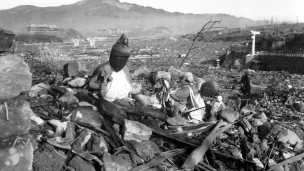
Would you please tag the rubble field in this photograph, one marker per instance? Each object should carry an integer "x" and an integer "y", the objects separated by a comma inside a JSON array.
[{"x": 260, "y": 128}]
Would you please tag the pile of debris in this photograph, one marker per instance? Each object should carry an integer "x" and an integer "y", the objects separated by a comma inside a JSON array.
[{"x": 74, "y": 129}]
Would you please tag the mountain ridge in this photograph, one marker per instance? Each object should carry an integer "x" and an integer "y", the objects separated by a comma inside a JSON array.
[{"x": 88, "y": 16}]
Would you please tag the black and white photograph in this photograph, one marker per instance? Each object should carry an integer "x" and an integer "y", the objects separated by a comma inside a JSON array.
[{"x": 151, "y": 85}]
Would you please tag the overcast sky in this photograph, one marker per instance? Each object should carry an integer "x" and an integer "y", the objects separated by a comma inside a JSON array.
[{"x": 254, "y": 9}]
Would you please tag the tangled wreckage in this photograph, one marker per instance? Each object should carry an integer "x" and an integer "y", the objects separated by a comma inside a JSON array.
[{"x": 118, "y": 120}]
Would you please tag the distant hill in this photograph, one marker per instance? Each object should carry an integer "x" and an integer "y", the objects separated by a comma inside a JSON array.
[{"x": 87, "y": 16}]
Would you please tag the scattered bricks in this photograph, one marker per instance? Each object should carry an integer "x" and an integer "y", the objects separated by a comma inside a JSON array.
[
  {"x": 146, "y": 149},
  {"x": 136, "y": 131},
  {"x": 229, "y": 115},
  {"x": 15, "y": 77},
  {"x": 15, "y": 118},
  {"x": 17, "y": 157}
]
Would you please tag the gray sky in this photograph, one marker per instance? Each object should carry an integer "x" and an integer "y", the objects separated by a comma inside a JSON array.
[{"x": 283, "y": 10}]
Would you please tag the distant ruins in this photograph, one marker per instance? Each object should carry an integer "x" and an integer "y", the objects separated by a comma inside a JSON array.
[{"x": 42, "y": 28}]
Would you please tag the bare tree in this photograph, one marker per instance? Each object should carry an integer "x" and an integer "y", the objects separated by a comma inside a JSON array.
[{"x": 205, "y": 29}]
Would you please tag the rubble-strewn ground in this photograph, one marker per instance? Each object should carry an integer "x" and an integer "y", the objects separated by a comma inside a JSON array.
[{"x": 267, "y": 130}]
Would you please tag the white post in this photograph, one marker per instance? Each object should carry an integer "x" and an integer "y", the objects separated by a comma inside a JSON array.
[{"x": 253, "y": 41}]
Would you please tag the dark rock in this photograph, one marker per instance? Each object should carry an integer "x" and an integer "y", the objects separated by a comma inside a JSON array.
[
  {"x": 47, "y": 158},
  {"x": 209, "y": 88},
  {"x": 78, "y": 164}
]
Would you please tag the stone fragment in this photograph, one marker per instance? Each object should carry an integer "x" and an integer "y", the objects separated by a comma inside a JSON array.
[
  {"x": 163, "y": 75},
  {"x": 74, "y": 68},
  {"x": 18, "y": 157},
  {"x": 177, "y": 120},
  {"x": 15, "y": 77},
  {"x": 235, "y": 152},
  {"x": 258, "y": 163},
  {"x": 98, "y": 143},
  {"x": 136, "y": 131},
  {"x": 146, "y": 149},
  {"x": 78, "y": 82},
  {"x": 15, "y": 118},
  {"x": 288, "y": 138},
  {"x": 69, "y": 98},
  {"x": 121, "y": 162},
  {"x": 86, "y": 115},
  {"x": 81, "y": 141},
  {"x": 229, "y": 115},
  {"x": 271, "y": 162},
  {"x": 60, "y": 127},
  {"x": 78, "y": 164},
  {"x": 87, "y": 104},
  {"x": 36, "y": 89},
  {"x": 47, "y": 158}
]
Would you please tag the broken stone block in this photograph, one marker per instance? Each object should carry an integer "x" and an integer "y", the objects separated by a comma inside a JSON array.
[
  {"x": 122, "y": 162},
  {"x": 78, "y": 82},
  {"x": 74, "y": 69},
  {"x": 146, "y": 149},
  {"x": 229, "y": 115},
  {"x": 136, "y": 131},
  {"x": 15, "y": 118},
  {"x": 47, "y": 158},
  {"x": 86, "y": 115},
  {"x": 288, "y": 138},
  {"x": 78, "y": 164},
  {"x": 36, "y": 89},
  {"x": 18, "y": 157},
  {"x": 15, "y": 77},
  {"x": 69, "y": 98}
]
